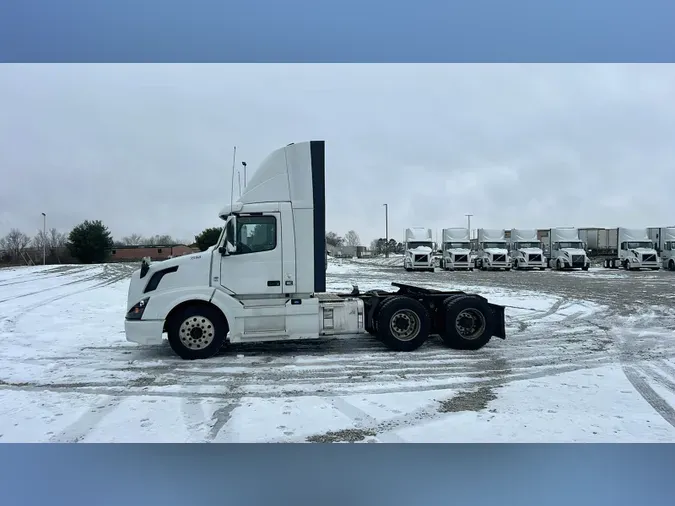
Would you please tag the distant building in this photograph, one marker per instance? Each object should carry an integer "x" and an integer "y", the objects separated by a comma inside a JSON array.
[
  {"x": 346, "y": 251},
  {"x": 137, "y": 253}
]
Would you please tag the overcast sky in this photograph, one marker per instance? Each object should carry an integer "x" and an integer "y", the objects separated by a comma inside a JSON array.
[{"x": 148, "y": 148}]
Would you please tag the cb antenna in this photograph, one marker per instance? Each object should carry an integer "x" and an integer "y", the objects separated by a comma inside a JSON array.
[
  {"x": 245, "y": 178},
  {"x": 234, "y": 161}
]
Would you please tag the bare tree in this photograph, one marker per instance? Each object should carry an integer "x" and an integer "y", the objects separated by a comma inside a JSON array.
[
  {"x": 352, "y": 239},
  {"x": 132, "y": 240},
  {"x": 15, "y": 242},
  {"x": 160, "y": 240},
  {"x": 56, "y": 239}
]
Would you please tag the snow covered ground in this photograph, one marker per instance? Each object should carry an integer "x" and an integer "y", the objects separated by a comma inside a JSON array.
[{"x": 582, "y": 363}]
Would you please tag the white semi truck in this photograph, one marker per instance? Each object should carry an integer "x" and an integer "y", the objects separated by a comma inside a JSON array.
[
  {"x": 265, "y": 280},
  {"x": 526, "y": 250},
  {"x": 419, "y": 249},
  {"x": 566, "y": 251},
  {"x": 632, "y": 249},
  {"x": 456, "y": 249},
  {"x": 493, "y": 253},
  {"x": 664, "y": 239}
]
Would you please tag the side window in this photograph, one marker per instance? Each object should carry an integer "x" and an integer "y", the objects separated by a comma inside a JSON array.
[{"x": 256, "y": 234}]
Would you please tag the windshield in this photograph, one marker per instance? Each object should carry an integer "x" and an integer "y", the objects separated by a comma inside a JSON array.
[
  {"x": 571, "y": 245},
  {"x": 417, "y": 244},
  {"x": 639, "y": 244},
  {"x": 528, "y": 245},
  {"x": 494, "y": 245},
  {"x": 457, "y": 245},
  {"x": 669, "y": 245}
]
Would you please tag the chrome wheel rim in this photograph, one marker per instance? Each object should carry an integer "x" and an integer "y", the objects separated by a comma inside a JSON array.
[
  {"x": 470, "y": 324},
  {"x": 405, "y": 325},
  {"x": 196, "y": 332}
]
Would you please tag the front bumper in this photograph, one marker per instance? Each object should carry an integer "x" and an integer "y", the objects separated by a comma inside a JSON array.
[{"x": 144, "y": 331}]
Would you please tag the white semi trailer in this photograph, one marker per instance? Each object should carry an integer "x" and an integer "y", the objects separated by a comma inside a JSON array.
[
  {"x": 456, "y": 249},
  {"x": 419, "y": 249},
  {"x": 566, "y": 250},
  {"x": 526, "y": 250},
  {"x": 664, "y": 239},
  {"x": 633, "y": 250},
  {"x": 493, "y": 253},
  {"x": 265, "y": 280}
]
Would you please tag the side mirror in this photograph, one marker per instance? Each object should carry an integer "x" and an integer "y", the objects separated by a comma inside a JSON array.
[{"x": 229, "y": 247}]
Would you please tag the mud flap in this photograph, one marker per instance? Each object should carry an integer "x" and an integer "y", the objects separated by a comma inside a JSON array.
[{"x": 500, "y": 321}]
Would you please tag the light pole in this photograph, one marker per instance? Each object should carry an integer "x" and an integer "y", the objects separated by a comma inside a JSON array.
[
  {"x": 386, "y": 230},
  {"x": 44, "y": 239},
  {"x": 468, "y": 217}
]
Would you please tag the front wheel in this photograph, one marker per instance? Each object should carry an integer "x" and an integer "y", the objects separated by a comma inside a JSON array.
[{"x": 197, "y": 332}]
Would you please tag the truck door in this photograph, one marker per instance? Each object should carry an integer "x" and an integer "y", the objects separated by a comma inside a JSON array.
[{"x": 255, "y": 268}]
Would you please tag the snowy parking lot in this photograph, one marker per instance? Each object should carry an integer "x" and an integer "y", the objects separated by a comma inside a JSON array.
[{"x": 589, "y": 357}]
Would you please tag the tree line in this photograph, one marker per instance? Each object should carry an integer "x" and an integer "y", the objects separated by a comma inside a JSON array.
[
  {"x": 92, "y": 242},
  {"x": 89, "y": 242}
]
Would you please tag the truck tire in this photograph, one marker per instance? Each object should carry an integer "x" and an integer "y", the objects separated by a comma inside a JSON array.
[
  {"x": 585, "y": 268},
  {"x": 468, "y": 323},
  {"x": 197, "y": 332},
  {"x": 671, "y": 265},
  {"x": 403, "y": 324},
  {"x": 372, "y": 330}
]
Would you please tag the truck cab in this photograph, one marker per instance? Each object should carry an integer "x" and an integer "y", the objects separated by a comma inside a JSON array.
[
  {"x": 665, "y": 246},
  {"x": 567, "y": 251},
  {"x": 419, "y": 249},
  {"x": 265, "y": 280},
  {"x": 636, "y": 250},
  {"x": 493, "y": 253},
  {"x": 456, "y": 249},
  {"x": 526, "y": 250}
]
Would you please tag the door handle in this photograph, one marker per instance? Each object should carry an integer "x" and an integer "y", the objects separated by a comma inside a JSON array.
[{"x": 274, "y": 283}]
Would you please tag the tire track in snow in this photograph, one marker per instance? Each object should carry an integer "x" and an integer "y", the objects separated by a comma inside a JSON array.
[
  {"x": 648, "y": 394},
  {"x": 88, "y": 421}
]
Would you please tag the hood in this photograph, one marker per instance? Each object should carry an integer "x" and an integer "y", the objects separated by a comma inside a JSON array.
[
  {"x": 461, "y": 251},
  {"x": 645, "y": 251},
  {"x": 421, "y": 250},
  {"x": 497, "y": 251},
  {"x": 533, "y": 251},
  {"x": 170, "y": 262},
  {"x": 574, "y": 251}
]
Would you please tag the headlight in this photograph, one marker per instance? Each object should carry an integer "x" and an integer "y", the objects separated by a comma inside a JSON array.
[{"x": 136, "y": 312}]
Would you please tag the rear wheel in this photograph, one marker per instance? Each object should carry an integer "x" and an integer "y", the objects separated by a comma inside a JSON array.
[
  {"x": 403, "y": 324},
  {"x": 468, "y": 323},
  {"x": 671, "y": 265},
  {"x": 197, "y": 332}
]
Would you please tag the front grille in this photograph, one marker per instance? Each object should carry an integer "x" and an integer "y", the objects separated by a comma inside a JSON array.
[
  {"x": 421, "y": 258},
  {"x": 534, "y": 258},
  {"x": 499, "y": 258},
  {"x": 461, "y": 258},
  {"x": 578, "y": 260},
  {"x": 649, "y": 258}
]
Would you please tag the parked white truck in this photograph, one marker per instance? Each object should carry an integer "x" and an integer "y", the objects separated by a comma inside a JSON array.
[
  {"x": 419, "y": 249},
  {"x": 493, "y": 253},
  {"x": 265, "y": 280},
  {"x": 566, "y": 251},
  {"x": 633, "y": 250},
  {"x": 664, "y": 239},
  {"x": 456, "y": 249},
  {"x": 526, "y": 250}
]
